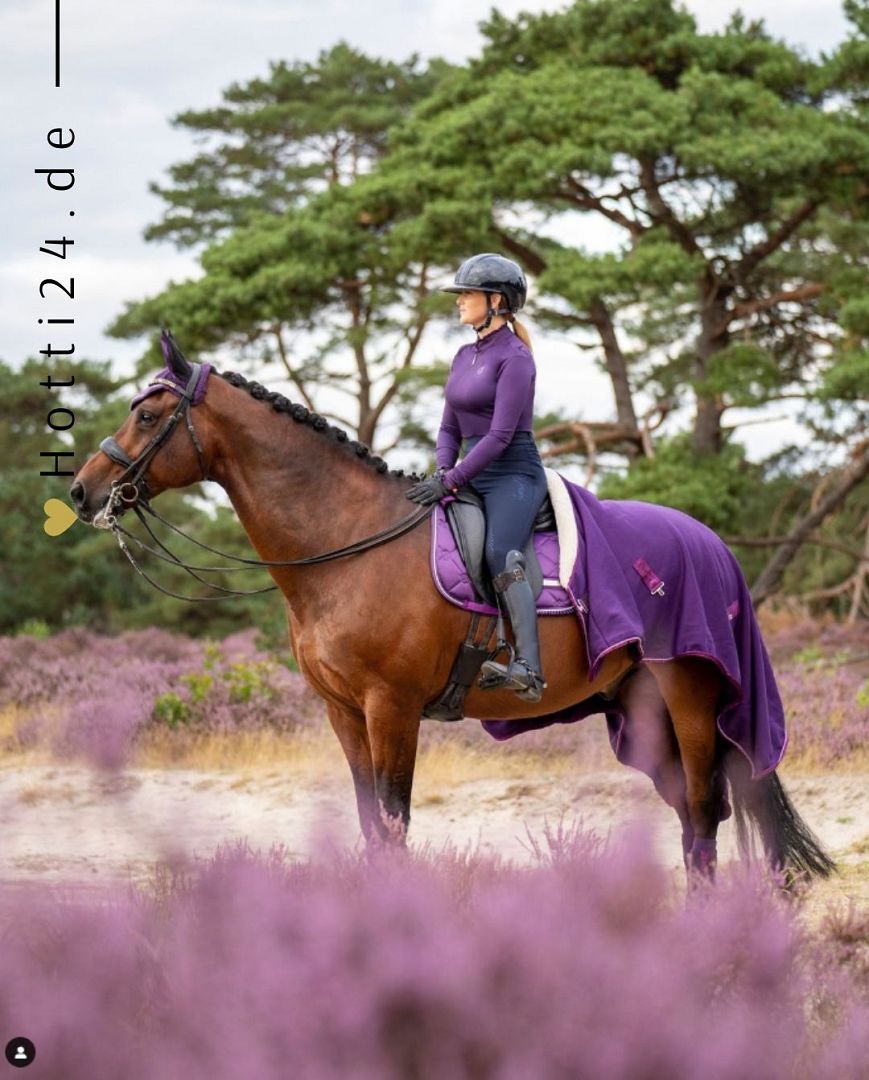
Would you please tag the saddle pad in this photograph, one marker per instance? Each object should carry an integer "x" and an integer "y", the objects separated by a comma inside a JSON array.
[
  {"x": 453, "y": 583},
  {"x": 556, "y": 553}
]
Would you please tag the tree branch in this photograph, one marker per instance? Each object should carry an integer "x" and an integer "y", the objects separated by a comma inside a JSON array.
[
  {"x": 285, "y": 360},
  {"x": 581, "y": 196},
  {"x": 662, "y": 212},
  {"x": 766, "y": 247},
  {"x": 751, "y": 307},
  {"x": 532, "y": 259},
  {"x": 413, "y": 340},
  {"x": 770, "y": 578},
  {"x": 775, "y": 541}
]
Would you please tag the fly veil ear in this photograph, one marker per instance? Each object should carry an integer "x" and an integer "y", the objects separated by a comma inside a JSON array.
[{"x": 176, "y": 361}]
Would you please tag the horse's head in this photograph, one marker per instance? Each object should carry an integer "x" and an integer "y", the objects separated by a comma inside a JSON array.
[{"x": 156, "y": 448}]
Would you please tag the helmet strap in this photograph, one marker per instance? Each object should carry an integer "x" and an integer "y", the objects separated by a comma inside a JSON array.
[{"x": 490, "y": 314}]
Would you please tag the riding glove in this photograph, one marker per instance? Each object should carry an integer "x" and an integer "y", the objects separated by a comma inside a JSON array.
[{"x": 428, "y": 491}]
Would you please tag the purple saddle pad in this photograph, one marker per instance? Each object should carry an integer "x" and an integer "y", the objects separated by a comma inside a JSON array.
[{"x": 453, "y": 583}]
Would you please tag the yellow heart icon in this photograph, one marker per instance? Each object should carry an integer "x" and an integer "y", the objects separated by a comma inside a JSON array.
[{"x": 59, "y": 517}]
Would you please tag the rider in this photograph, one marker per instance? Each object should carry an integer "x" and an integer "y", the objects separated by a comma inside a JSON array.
[{"x": 489, "y": 405}]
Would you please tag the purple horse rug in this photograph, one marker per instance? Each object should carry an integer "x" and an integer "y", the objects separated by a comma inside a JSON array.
[{"x": 654, "y": 578}]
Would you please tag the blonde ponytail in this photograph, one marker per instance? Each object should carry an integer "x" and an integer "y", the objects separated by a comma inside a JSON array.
[{"x": 520, "y": 332}]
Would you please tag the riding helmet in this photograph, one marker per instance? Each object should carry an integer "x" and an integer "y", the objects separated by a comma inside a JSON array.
[{"x": 491, "y": 273}]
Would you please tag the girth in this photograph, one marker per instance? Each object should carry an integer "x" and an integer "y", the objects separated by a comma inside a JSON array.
[{"x": 467, "y": 521}]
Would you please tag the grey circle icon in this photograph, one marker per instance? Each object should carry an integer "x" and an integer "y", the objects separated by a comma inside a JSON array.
[{"x": 20, "y": 1051}]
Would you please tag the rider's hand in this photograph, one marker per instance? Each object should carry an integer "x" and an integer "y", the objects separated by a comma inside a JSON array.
[{"x": 427, "y": 492}]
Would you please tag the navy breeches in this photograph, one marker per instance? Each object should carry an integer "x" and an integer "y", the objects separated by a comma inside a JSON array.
[{"x": 513, "y": 488}]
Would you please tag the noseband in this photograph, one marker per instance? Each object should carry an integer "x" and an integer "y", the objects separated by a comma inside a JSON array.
[{"x": 127, "y": 489}]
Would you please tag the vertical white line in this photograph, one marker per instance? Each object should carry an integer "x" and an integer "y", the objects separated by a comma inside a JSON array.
[{"x": 57, "y": 42}]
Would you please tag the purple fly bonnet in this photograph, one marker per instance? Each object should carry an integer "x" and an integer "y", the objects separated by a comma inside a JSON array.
[{"x": 175, "y": 375}]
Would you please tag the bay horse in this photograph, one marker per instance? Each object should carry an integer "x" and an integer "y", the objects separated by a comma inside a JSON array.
[{"x": 375, "y": 639}]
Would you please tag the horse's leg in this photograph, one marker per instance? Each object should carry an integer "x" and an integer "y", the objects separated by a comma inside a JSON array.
[
  {"x": 393, "y": 732},
  {"x": 349, "y": 725},
  {"x": 651, "y": 746},
  {"x": 690, "y": 688}
]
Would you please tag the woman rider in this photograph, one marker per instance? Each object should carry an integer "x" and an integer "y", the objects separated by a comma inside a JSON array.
[{"x": 489, "y": 405}]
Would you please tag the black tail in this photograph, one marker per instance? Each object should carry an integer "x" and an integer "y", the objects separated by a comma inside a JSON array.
[{"x": 764, "y": 806}]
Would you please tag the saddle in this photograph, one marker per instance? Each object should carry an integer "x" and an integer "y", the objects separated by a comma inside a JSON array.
[{"x": 467, "y": 522}]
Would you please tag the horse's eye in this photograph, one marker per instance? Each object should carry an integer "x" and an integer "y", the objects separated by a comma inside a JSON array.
[{"x": 146, "y": 418}]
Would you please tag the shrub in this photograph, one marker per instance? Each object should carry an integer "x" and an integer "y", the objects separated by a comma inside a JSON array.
[{"x": 444, "y": 966}]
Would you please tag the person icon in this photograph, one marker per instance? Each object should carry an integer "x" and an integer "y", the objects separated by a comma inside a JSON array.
[{"x": 20, "y": 1052}]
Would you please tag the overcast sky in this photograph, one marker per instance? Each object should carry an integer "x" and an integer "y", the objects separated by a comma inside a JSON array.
[{"x": 127, "y": 68}]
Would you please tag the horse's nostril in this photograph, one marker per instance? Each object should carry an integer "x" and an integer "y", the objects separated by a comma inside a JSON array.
[{"x": 77, "y": 493}]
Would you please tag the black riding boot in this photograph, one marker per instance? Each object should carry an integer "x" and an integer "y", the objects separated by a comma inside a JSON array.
[{"x": 522, "y": 673}]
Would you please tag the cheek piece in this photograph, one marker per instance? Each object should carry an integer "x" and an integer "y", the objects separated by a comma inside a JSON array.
[{"x": 130, "y": 487}]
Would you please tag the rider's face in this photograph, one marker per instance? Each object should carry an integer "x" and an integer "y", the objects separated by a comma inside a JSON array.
[{"x": 472, "y": 306}]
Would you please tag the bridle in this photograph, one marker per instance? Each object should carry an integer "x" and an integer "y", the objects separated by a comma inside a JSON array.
[{"x": 130, "y": 491}]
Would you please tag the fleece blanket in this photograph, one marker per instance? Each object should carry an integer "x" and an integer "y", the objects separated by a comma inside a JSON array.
[{"x": 657, "y": 579}]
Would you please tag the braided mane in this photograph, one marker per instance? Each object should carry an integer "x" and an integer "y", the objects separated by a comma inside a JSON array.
[{"x": 303, "y": 415}]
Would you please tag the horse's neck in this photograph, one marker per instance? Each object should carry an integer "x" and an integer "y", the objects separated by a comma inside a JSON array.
[{"x": 298, "y": 493}]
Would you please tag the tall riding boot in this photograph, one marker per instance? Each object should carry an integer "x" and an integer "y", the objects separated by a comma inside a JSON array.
[{"x": 522, "y": 673}]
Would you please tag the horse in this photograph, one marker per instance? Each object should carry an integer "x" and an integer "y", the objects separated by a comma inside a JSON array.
[{"x": 374, "y": 638}]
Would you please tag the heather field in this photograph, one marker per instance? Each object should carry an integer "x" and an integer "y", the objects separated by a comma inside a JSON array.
[{"x": 184, "y": 894}]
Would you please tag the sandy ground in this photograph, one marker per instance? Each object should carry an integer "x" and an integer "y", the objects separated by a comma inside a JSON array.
[{"x": 74, "y": 826}]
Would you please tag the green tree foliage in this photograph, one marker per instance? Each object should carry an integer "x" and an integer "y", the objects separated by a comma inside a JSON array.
[
  {"x": 78, "y": 576},
  {"x": 81, "y": 577},
  {"x": 713, "y": 156},
  {"x": 296, "y": 273},
  {"x": 711, "y": 489},
  {"x": 276, "y": 141},
  {"x": 729, "y": 168}
]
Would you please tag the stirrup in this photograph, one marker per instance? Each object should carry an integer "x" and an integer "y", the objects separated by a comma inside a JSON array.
[{"x": 527, "y": 683}]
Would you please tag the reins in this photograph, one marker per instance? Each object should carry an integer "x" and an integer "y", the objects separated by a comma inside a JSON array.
[
  {"x": 384, "y": 536},
  {"x": 130, "y": 493}
]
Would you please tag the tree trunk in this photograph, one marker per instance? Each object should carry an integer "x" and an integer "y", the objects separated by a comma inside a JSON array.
[
  {"x": 860, "y": 578},
  {"x": 770, "y": 577},
  {"x": 617, "y": 369},
  {"x": 713, "y": 337}
]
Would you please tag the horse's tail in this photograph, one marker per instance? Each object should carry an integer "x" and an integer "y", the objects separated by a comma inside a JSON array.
[{"x": 763, "y": 807}]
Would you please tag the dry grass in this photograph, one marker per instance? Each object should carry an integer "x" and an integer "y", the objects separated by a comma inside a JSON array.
[
  {"x": 446, "y": 765},
  {"x": 12, "y": 746},
  {"x": 258, "y": 754},
  {"x": 849, "y": 886},
  {"x": 248, "y": 752},
  {"x": 310, "y": 751},
  {"x": 809, "y": 764}
]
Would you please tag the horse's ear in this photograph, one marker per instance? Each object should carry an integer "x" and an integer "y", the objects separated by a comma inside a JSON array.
[{"x": 174, "y": 357}]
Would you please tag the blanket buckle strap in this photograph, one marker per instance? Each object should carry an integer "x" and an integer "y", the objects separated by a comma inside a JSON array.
[{"x": 653, "y": 583}]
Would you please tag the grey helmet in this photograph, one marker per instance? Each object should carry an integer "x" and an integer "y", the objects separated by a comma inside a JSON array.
[{"x": 491, "y": 273}]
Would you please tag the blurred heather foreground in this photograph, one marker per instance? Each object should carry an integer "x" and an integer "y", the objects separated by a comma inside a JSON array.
[
  {"x": 435, "y": 966},
  {"x": 583, "y": 961}
]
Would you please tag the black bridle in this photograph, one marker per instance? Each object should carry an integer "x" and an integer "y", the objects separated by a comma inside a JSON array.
[
  {"x": 127, "y": 492},
  {"x": 130, "y": 491}
]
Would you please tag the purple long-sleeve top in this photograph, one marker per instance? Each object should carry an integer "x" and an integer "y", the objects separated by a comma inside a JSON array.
[{"x": 489, "y": 392}]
